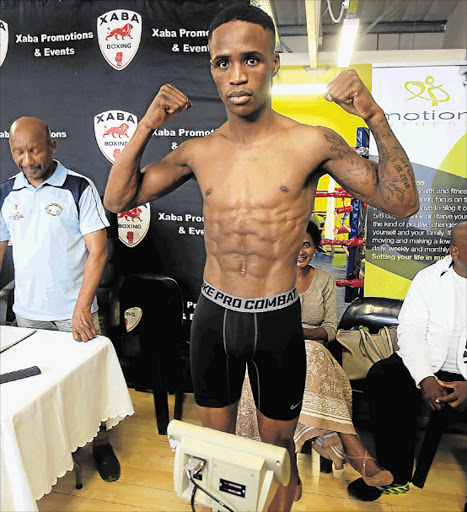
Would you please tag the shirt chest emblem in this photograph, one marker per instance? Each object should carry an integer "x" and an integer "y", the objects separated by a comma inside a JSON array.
[
  {"x": 54, "y": 209},
  {"x": 16, "y": 212}
]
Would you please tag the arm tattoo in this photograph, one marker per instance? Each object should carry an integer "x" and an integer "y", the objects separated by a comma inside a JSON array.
[
  {"x": 357, "y": 166},
  {"x": 392, "y": 152},
  {"x": 392, "y": 185},
  {"x": 392, "y": 189}
]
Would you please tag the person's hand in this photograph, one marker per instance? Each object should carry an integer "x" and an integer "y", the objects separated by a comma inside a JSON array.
[
  {"x": 432, "y": 392},
  {"x": 350, "y": 93},
  {"x": 82, "y": 325},
  {"x": 167, "y": 104},
  {"x": 457, "y": 399}
]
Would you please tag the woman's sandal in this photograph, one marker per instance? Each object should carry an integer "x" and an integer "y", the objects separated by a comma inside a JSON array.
[
  {"x": 298, "y": 490},
  {"x": 382, "y": 478}
]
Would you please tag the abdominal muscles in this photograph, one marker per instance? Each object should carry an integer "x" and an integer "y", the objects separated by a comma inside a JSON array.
[{"x": 252, "y": 249}]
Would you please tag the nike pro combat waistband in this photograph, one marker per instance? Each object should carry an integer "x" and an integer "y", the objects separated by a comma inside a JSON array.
[{"x": 260, "y": 305}]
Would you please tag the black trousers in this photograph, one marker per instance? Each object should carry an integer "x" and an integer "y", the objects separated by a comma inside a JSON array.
[{"x": 394, "y": 402}]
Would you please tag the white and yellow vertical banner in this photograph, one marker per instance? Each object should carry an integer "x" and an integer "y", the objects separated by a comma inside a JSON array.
[{"x": 426, "y": 109}]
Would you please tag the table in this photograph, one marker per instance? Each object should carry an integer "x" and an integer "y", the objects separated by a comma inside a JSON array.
[{"x": 46, "y": 417}]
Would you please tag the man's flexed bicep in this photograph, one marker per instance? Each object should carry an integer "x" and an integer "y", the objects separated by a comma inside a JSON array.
[
  {"x": 392, "y": 192},
  {"x": 160, "y": 178},
  {"x": 128, "y": 186},
  {"x": 356, "y": 174},
  {"x": 388, "y": 185}
]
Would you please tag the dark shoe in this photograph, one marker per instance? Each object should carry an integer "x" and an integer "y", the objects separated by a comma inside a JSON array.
[
  {"x": 360, "y": 491},
  {"x": 106, "y": 462}
]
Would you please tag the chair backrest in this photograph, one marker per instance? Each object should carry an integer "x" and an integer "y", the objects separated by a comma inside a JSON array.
[
  {"x": 109, "y": 274},
  {"x": 158, "y": 335},
  {"x": 161, "y": 301},
  {"x": 371, "y": 312},
  {"x": 7, "y": 294}
]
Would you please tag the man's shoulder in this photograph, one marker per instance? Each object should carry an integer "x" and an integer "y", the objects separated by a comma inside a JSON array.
[
  {"x": 433, "y": 271},
  {"x": 305, "y": 134},
  {"x": 199, "y": 146},
  {"x": 78, "y": 176},
  {"x": 8, "y": 182},
  {"x": 77, "y": 179},
  {"x": 288, "y": 123},
  {"x": 197, "y": 142},
  {"x": 7, "y": 186},
  {"x": 77, "y": 184}
]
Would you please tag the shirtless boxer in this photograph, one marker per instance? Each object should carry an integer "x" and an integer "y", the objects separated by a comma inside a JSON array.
[{"x": 258, "y": 175}]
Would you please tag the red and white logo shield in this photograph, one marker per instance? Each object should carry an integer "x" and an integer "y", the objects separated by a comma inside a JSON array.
[
  {"x": 3, "y": 41},
  {"x": 132, "y": 317},
  {"x": 119, "y": 34},
  {"x": 113, "y": 129},
  {"x": 133, "y": 225}
]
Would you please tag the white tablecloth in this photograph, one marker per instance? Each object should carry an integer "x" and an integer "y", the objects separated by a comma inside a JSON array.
[{"x": 47, "y": 417}]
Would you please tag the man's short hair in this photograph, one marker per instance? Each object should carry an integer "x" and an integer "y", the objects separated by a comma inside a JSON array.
[{"x": 243, "y": 12}]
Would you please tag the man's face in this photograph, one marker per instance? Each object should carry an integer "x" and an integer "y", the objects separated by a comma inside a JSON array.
[
  {"x": 32, "y": 152},
  {"x": 243, "y": 63}
]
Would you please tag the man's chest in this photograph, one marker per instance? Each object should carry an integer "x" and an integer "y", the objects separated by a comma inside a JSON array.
[
  {"x": 254, "y": 178},
  {"x": 39, "y": 210}
]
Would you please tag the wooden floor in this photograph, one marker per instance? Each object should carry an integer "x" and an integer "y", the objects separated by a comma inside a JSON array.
[{"x": 146, "y": 482}]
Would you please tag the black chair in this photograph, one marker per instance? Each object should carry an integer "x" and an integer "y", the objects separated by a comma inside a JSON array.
[
  {"x": 151, "y": 350},
  {"x": 107, "y": 294},
  {"x": 7, "y": 294},
  {"x": 373, "y": 313}
]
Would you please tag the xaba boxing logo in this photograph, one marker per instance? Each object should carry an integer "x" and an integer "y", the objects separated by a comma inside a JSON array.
[
  {"x": 427, "y": 91},
  {"x": 119, "y": 35},
  {"x": 3, "y": 41},
  {"x": 133, "y": 225},
  {"x": 113, "y": 129}
]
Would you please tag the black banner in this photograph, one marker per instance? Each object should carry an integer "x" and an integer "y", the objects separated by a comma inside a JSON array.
[{"x": 90, "y": 69}]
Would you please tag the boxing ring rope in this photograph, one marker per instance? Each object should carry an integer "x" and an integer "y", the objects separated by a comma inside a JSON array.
[
  {"x": 353, "y": 242},
  {"x": 352, "y": 283},
  {"x": 354, "y": 245},
  {"x": 331, "y": 230},
  {"x": 337, "y": 193}
]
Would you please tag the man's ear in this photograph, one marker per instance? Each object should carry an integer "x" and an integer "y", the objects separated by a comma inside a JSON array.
[
  {"x": 53, "y": 146},
  {"x": 454, "y": 252},
  {"x": 276, "y": 65}
]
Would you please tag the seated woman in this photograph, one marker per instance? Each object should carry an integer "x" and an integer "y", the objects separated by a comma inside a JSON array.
[{"x": 326, "y": 415}]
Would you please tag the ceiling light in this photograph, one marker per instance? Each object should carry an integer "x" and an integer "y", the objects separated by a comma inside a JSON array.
[
  {"x": 296, "y": 89},
  {"x": 348, "y": 36}
]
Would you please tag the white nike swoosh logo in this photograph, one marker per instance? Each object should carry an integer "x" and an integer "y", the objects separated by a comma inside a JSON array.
[{"x": 292, "y": 407}]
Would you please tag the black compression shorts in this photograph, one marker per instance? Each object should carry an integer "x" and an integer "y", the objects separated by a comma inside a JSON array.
[{"x": 266, "y": 334}]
